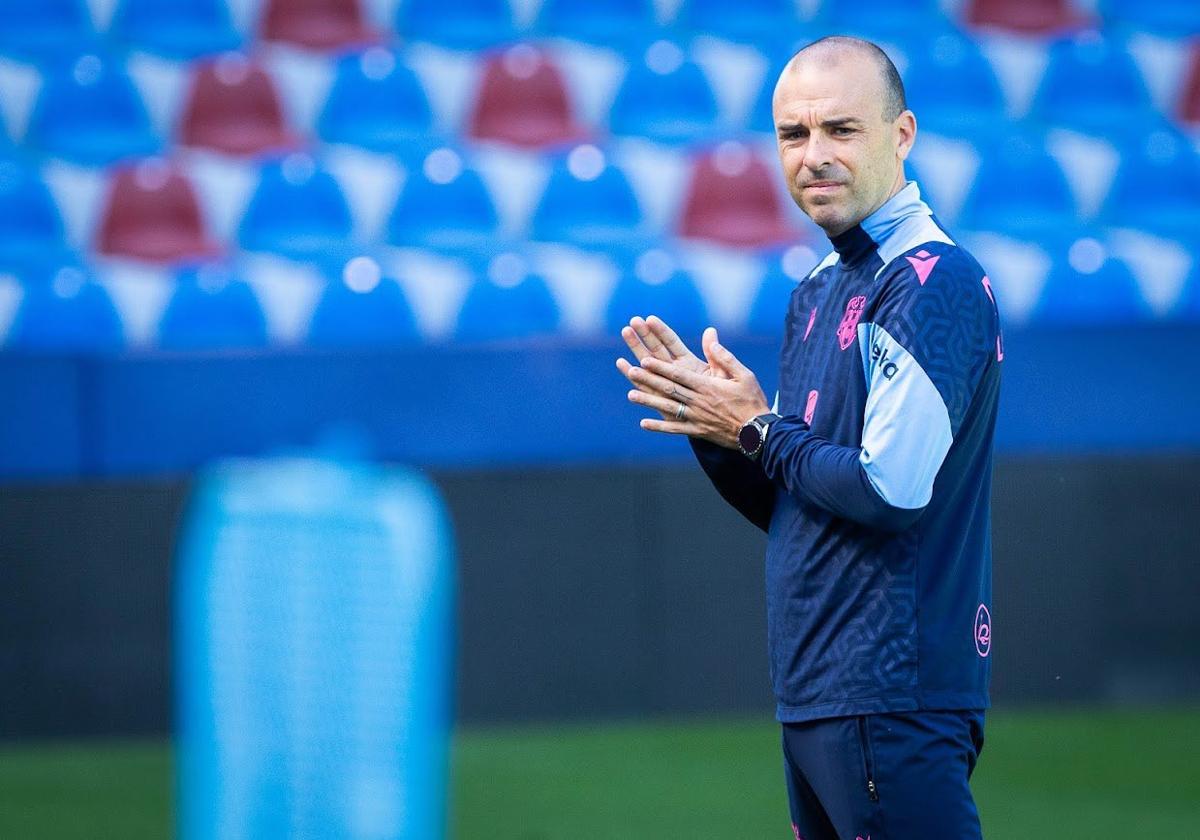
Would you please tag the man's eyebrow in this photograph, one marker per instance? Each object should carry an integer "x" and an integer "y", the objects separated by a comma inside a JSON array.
[{"x": 832, "y": 122}]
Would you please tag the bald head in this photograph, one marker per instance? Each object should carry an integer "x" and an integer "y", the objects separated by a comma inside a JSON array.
[
  {"x": 843, "y": 130},
  {"x": 851, "y": 55}
]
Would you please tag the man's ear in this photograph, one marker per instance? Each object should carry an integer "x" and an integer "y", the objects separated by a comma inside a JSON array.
[{"x": 906, "y": 133}]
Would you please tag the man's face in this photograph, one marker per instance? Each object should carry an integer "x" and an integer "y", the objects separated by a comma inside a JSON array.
[{"x": 841, "y": 157}]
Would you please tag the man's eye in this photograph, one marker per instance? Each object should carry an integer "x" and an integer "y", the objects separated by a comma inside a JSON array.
[{"x": 842, "y": 131}]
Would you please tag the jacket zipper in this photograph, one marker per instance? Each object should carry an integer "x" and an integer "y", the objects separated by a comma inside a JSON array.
[{"x": 864, "y": 737}]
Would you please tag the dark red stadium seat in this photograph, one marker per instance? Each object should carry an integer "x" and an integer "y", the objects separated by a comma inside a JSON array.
[
  {"x": 1189, "y": 103},
  {"x": 233, "y": 107},
  {"x": 522, "y": 100},
  {"x": 316, "y": 24},
  {"x": 151, "y": 214},
  {"x": 1026, "y": 16},
  {"x": 732, "y": 199}
]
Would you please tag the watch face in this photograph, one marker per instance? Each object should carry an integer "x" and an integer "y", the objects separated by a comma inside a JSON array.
[{"x": 749, "y": 438}]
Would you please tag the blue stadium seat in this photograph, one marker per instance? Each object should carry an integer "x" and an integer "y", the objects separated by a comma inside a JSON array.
[
  {"x": 587, "y": 201},
  {"x": 885, "y": 20},
  {"x": 90, "y": 113},
  {"x": 952, "y": 88},
  {"x": 376, "y": 102},
  {"x": 43, "y": 30},
  {"x": 1175, "y": 18},
  {"x": 30, "y": 225},
  {"x": 297, "y": 211},
  {"x": 1091, "y": 85},
  {"x": 608, "y": 23},
  {"x": 212, "y": 308},
  {"x": 176, "y": 29},
  {"x": 749, "y": 22},
  {"x": 65, "y": 312},
  {"x": 783, "y": 274},
  {"x": 664, "y": 97},
  {"x": 1087, "y": 286},
  {"x": 510, "y": 302},
  {"x": 457, "y": 24},
  {"x": 361, "y": 307},
  {"x": 1157, "y": 186},
  {"x": 1187, "y": 306},
  {"x": 1019, "y": 189},
  {"x": 655, "y": 284},
  {"x": 443, "y": 205}
]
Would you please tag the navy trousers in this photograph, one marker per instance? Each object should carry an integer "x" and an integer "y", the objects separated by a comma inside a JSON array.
[{"x": 884, "y": 777}]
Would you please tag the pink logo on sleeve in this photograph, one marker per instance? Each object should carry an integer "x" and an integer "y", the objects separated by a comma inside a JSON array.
[
  {"x": 923, "y": 263},
  {"x": 812, "y": 317},
  {"x": 983, "y": 631},
  {"x": 848, "y": 329},
  {"x": 811, "y": 406},
  {"x": 796, "y": 831}
]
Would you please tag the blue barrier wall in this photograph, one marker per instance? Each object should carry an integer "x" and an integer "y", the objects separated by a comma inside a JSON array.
[{"x": 1077, "y": 391}]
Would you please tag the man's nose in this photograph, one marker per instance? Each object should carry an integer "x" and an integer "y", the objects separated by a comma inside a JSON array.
[{"x": 818, "y": 153}]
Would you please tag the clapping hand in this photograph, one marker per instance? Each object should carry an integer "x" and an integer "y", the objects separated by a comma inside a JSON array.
[{"x": 708, "y": 398}]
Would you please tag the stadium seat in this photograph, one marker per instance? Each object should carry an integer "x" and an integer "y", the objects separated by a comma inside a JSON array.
[
  {"x": 1173, "y": 18},
  {"x": 1087, "y": 286},
  {"x": 151, "y": 214},
  {"x": 1157, "y": 186},
  {"x": 522, "y": 100},
  {"x": 457, "y": 24},
  {"x": 89, "y": 112},
  {"x": 46, "y": 30},
  {"x": 655, "y": 284},
  {"x": 65, "y": 312},
  {"x": 30, "y": 224},
  {"x": 232, "y": 107},
  {"x": 1030, "y": 17},
  {"x": 749, "y": 23},
  {"x": 952, "y": 88},
  {"x": 510, "y": 302},
  {"x": 443, "y": 205},
  {"x": 179, "y": 29},
  {"x": 376, "y": 102},
  {"x": 587, "y": 201},
  {"x": 885, "y": 20},
  {"x": 360, "y": 307},
  {"x": 784, "y": 271},
  {"x": 211, "y": 308},
  {"x": 608, "y": 23},
  {"x": 1019, "y": 189},
  {"x": 1189, "y": 100},
  {"x": 316, "y": 24},
  {"x": 1091, "y": 85},
  {"x": 297, "y": 211},
  {"x": 664, "y": 97},
  {"x": 732, "y": 199}
]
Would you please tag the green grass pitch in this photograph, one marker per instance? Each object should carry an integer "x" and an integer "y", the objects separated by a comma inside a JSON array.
[{"x": 1064, "y": 775}]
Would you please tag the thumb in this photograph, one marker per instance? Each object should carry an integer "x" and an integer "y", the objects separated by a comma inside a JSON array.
[
  {"x": 720, "y": 357},
  {"x": 709, "y": 343}
]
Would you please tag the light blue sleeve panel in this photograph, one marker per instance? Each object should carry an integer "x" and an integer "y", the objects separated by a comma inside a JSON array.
[{"x": 906, "y": 425}]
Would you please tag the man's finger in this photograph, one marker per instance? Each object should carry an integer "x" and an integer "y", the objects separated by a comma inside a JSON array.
[
  {"x": 666, "y": 406},
  {"x": 639, "y": 350},
  {"x": 652, "y": 342},
  {"x": 677, "y": 373},
  {"x": 653, "y": 383},
  {"x": 670, "y": 427},
  {"x": 668, "y": 337}
]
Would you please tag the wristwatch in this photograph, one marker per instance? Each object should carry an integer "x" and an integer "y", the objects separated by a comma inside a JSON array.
[{"x": 753, "y": 435}]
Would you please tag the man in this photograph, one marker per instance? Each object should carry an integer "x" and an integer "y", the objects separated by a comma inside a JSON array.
[{"x": 871, "y": 476}]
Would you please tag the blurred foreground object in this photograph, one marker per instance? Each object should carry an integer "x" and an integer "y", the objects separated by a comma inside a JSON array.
[{"x": 313, "y": 645}]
